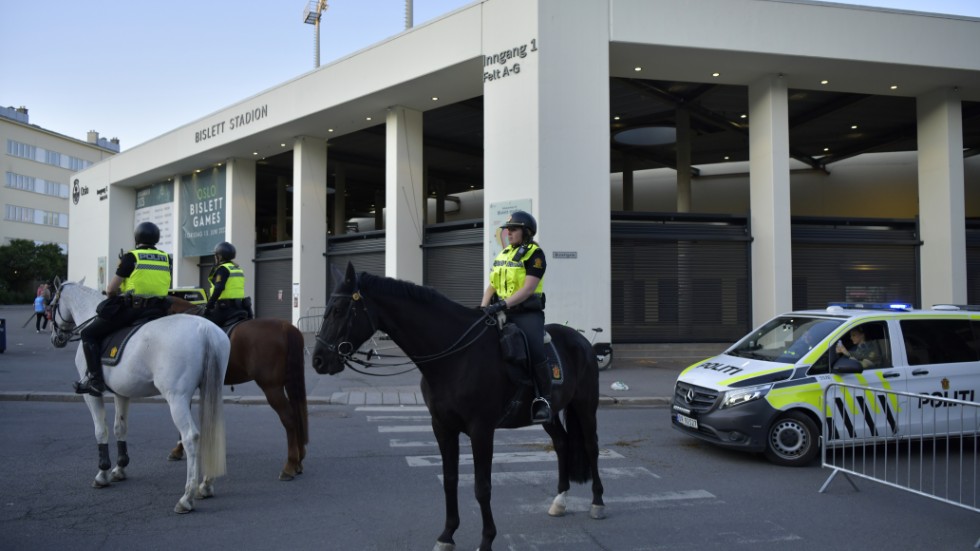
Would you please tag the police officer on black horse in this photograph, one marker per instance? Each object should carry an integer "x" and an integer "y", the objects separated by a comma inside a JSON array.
[
  {"x": 516, "y": 286},
  {"x": 227, "y": 303},
  {"x": 137, "y": 292}
]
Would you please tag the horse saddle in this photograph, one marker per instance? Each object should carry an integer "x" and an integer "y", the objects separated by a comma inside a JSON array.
[
  {"x": 112, "y": 346},
  {"x": 513, "y": 345},
  {"x": 230, "y": 324},
  {"x": 518, "y": 411}
]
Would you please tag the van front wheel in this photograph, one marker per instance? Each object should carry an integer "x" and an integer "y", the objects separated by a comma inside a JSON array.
[{"x": 793, "y": 440}]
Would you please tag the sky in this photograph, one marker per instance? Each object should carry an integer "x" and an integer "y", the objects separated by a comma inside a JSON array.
[{"x": 137, "y": 69}]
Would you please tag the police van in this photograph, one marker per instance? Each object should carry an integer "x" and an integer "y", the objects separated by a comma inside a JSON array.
[{"x": 765, "y": 393}]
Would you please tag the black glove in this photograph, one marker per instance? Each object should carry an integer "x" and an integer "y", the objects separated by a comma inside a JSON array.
[
  {"x": 492, "y": 309},
  {"x": 209, "y": 307}
]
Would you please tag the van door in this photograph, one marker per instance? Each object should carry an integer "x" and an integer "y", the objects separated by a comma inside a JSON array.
[
  {"x": 942, "y": 363},
  {"x": 870, "y": 414}
]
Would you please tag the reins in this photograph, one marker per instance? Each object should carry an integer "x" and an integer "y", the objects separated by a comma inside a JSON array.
[
  {"x": 60, "y": 334},
  {"x": 345, "y": 349}
]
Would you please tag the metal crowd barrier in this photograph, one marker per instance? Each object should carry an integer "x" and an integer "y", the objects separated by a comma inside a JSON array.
[
  {"x": 309, "y": 325},
  {"x": 927, "y": 444}
]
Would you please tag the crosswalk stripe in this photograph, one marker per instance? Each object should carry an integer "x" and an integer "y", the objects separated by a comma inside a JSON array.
[
  {"x": 464, "y": 442},
  {"x": 545, "y": 477},
  {"x": 428, "y": 428},
  {"x": 575, "y": 503},
  {"x": 499, "y": 458},
  {"x": 379, "y": 418},
  {"x": 407, "y": 409}
]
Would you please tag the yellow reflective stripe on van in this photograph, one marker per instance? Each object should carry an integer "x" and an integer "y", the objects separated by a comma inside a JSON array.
[
  {"x": 754, "y": 374},
  {"x": 781, "y": 398}
]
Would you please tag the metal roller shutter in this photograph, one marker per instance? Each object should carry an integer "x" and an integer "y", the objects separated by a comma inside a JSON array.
[
  {"x": 273, "y": 281},
  {"x": 366, "y": 251},
  {"x": 680, "y": 278},
  {"x": 453, "y": 262},
  {"x": 854, "y": 260}
]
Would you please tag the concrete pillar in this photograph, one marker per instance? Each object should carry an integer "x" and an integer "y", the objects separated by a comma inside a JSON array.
[
  {"x": 339, "y": 199},
  {"x": 309, "y": 224},
  {"x": 282, "y": 199},
  {"x": 769, "y": 202},
  {"x": 683, "y": 160},
  {"x": 404, "y": 194},
  {"x": 941, "y": 196},
  {"x": 240, "y": 216},
  {"x": 546, "y": 141},
  {"x": 187, "y": 273},
  {"x": 627, "y": 183}
]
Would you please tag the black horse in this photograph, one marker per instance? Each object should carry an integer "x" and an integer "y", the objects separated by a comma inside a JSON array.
[{"x": 466, "y": 384}]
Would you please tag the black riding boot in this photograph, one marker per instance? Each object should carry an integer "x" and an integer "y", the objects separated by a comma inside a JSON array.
[
  {"x": 92, "y": 383},
  {"x": 540, "y": 407}
]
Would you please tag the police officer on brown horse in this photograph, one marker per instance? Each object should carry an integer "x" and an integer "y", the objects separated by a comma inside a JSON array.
[
  {"x": 136, "y": 292},
  {"x": 227, "y": 302},
  {"x": 516, "y": 286}
]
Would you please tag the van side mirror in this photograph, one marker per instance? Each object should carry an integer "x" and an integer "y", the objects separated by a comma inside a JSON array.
[{"x": 847, "y": 365}]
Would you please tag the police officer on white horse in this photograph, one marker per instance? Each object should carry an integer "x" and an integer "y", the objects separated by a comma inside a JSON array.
[
  {"x": 137, "y": 291},
  {"x": 227, "y": 300}
]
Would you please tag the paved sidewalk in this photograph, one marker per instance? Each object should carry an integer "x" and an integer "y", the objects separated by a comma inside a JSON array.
[{"x": 32, "y": 369}]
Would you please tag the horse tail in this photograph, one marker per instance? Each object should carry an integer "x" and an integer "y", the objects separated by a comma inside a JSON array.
[
  {"x": 216, "y": 352},
  {"x": 579, "y": 467},
  {"x": 296, "y": 380}
]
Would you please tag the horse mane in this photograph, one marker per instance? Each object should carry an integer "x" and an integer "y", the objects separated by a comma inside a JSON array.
[
  {"x": 405, "y": 289},
  {"x": 82, "y": 288}
]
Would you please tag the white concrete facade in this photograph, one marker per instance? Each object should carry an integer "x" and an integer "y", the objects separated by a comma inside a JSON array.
[{"x": 546, "y": 131}]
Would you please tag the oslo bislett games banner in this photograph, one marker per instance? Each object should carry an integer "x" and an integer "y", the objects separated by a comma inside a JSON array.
[{"x": 202, "y": 212}]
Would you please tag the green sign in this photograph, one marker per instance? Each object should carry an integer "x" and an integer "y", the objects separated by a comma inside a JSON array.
[{"x": 202, "y": 212}]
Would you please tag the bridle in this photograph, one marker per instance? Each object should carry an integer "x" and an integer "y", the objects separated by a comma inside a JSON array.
[
  {"x": 345, "y": 348},
  {"x": 67, "y": 331}
]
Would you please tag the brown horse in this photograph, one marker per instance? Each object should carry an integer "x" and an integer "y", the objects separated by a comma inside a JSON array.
[{"x": 269, "y": 352}]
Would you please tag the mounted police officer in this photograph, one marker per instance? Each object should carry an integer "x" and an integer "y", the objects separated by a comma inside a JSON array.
[
  {"x": 516, "y": 286},
  {"x": 136, "y": 292},
  {"x": 228, "y": 301}
]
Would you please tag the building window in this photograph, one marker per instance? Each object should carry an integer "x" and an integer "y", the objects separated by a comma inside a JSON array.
[
  {"x": 37, "y": 185},
  {"x": 41, "y": 155},
  {"x": 22, "y": 150},
  {"x": 35, "y": 216}
]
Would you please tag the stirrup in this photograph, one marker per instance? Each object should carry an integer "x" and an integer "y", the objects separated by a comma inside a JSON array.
[
  {"x": 89, "y": 385},
  {"x": 537, "y": 408}
]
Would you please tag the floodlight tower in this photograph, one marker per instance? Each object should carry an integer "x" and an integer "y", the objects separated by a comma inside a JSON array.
[{"x": 311, "y": 15}]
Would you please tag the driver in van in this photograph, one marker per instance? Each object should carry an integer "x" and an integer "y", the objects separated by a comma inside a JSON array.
[{"x": 863, "y": 351}]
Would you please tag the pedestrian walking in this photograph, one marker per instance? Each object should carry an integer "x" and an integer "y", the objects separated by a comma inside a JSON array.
[{"x": 40, "y": 313}]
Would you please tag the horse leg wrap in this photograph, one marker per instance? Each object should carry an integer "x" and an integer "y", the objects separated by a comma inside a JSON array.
[
  {"x": 123, "y": 459},
  {"x": 104, "y": 463}
]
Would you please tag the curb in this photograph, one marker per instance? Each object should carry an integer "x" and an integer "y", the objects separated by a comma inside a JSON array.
[{"x": 337, "y": 398}]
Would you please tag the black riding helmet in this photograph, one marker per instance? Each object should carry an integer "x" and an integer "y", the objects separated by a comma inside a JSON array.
[
  {"x": 224, "y": 250},
  {"x": 523, "y": 220},
  {"x": 147, "y": 233}
]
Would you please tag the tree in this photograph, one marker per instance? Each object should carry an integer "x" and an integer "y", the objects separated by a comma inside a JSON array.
[{"x": 22, "y": 264}]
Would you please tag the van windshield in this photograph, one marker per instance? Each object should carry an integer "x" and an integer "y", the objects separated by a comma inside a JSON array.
[{"x": 784, "y": 339}]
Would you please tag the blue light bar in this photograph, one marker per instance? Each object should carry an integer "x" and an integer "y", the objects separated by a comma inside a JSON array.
[{"x": 901, "y": 306}]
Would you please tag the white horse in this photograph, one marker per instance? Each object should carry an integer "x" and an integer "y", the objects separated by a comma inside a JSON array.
[{"x": 172, "y": 356}]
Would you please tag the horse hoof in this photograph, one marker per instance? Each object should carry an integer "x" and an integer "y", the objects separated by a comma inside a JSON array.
[
  {"x": 99, "y": 485},
  {"x": 175, "y": 457},
  {"x": 444, "y": 546},
  {"x": 118, "y": 476},
  {"x": 556, "y": 510},
  {"x": 285, "y": 477},
  {"x": 598, "y": 512},
  {"x": 182, "y": 509}
]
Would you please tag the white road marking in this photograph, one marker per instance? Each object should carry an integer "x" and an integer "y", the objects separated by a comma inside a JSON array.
[
  {"x": 547, "y": 477},
  {"x": 582, "y": 504},
  {"x": 392, "y": 409},
  {"x": 379, "y": 418},
  {"x": 424, "y": 428},
  {"x": 499, "y": 458}
]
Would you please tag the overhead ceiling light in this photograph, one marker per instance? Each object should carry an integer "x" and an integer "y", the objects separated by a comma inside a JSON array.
[
  {"x": 716, "y": 74},
  {"x": 198, "y": 171},
  {"x": 894, "y": 87},
  {"x": 826, "y": 149},
  {"x": 330, "y": 130},
  {"x": 824, "y": 81},
  {"x": 616, "y": 118},
  {"x": 637, "y": 69},
  {"x": 854, "y": 127},
  {"x": 282, "y": 145},
  {"x": 435, "y": 98},
  {"x": 744, "y": 116},
  {"x": 255, "y": 153},
  {"x": 727, "y": 157},
  {"x": 367, "y": 118}
]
